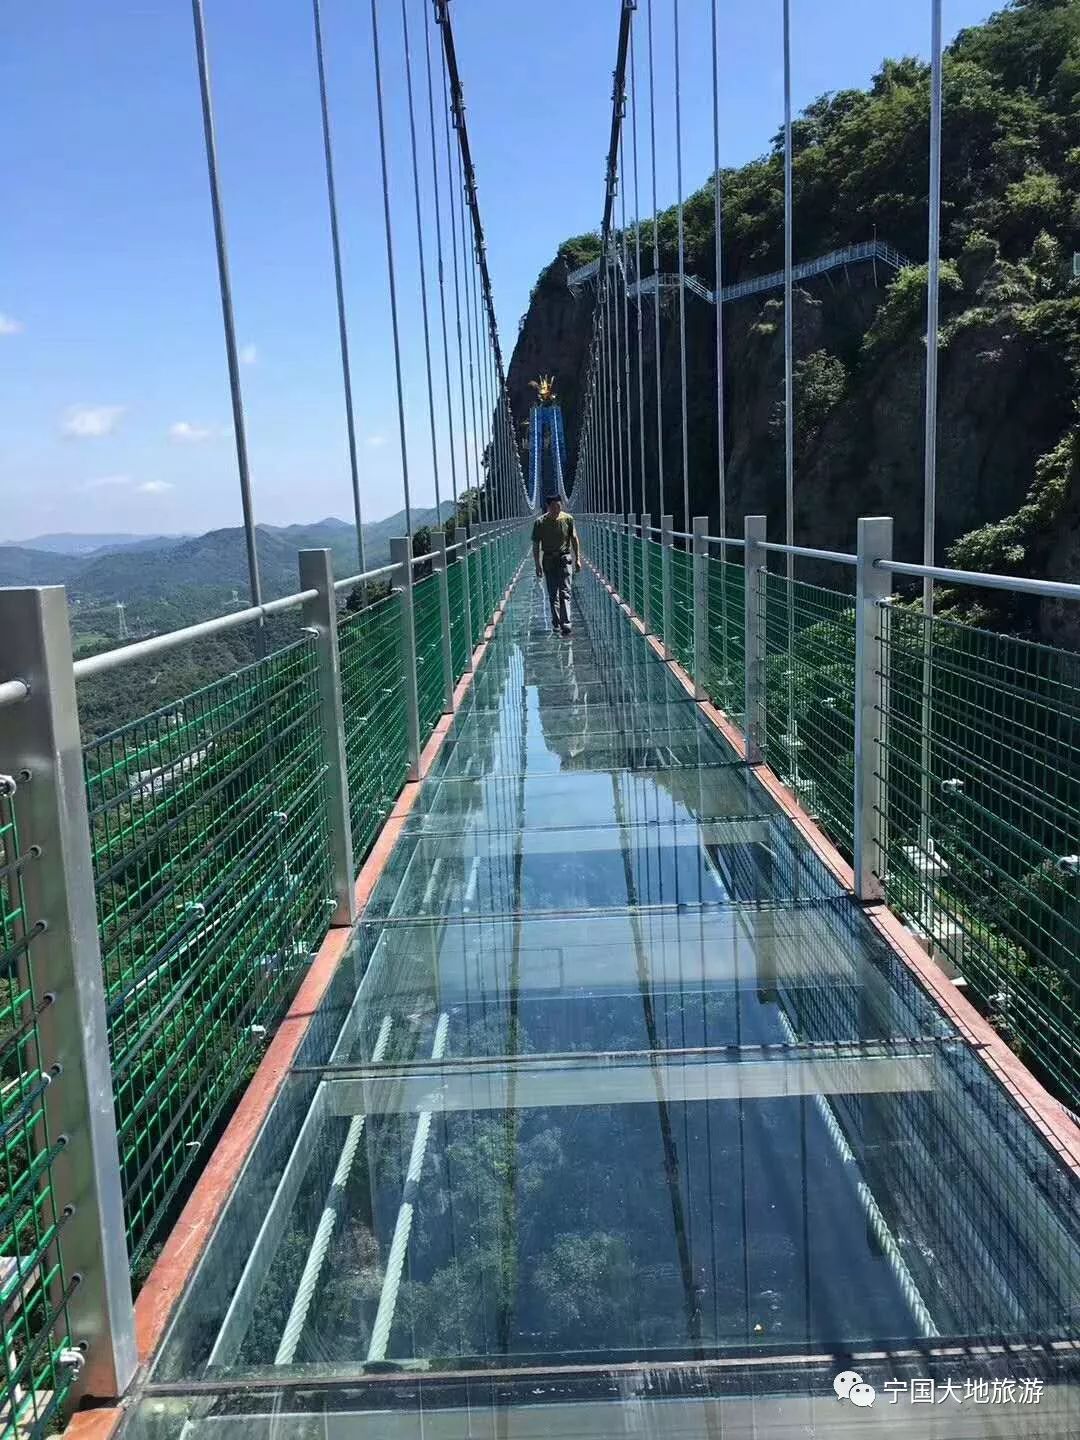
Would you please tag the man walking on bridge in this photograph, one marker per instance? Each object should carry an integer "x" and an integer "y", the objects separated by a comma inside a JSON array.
[{"x": 556, "y": 555}]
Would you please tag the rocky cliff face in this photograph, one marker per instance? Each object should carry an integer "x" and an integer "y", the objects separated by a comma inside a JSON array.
[{"x": 1005, "y": 400}]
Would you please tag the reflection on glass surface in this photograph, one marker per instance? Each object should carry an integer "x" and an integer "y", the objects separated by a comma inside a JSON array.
[{"x": 622, "y": 1117}]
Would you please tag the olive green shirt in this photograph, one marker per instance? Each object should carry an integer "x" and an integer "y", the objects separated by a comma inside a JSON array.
[{"x": 555, "y": 537}]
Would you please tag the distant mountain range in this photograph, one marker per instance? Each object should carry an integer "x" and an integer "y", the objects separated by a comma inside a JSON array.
[
  {"x": 66, "y": 542},
  {"x": 134, "y": 569}
]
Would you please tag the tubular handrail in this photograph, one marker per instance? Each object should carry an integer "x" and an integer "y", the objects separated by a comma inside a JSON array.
[
  {"x": 366, "y": 575},
  {"x": 92, "y": 665},
  {"x": 838, "y": 557},
  {"x": 1022, "y": 584},
  {"x": 12, "y": 691}
]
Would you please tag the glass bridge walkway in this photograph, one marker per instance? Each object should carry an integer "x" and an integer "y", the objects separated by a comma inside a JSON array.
[{"x": 621, "y": 1118}]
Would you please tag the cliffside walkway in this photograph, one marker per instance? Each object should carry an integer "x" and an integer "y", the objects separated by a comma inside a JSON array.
[{"x": 866, "y": 252}]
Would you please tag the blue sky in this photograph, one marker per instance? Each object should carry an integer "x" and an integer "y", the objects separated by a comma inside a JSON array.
[{"x": 114, "y": 408}]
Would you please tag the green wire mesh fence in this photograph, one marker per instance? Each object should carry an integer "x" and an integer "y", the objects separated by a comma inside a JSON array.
[
  {"x": 476, "y": 597},
  {"x": 810, "y": 698},
  {"x": 725, "y": 674},
  {"x": 34, "y": 1287},
  {"x": 430, "y": 678},
  {"x": 208, "y": 831},
  {"x": 460, "y": 647},
  {"x": 981, "y": 776},
  {"x": 637, "y": 576},
  {"x": 376, "y": 721},
  {"x": 655, "y": 552},
  {"x": 680, "y": 629}
]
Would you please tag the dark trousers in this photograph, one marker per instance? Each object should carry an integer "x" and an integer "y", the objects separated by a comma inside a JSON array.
[{"x": 558, "y": 574}]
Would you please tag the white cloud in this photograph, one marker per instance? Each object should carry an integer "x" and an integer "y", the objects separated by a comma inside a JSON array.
[
  {"x": 90, "y": 422},
  {"x": 249, "y": 354},
  {"x": 9, "y": 325},
  {"x": 375, "y": 441},
  {"x": 153, "y": 487},
  {"x": 108, "y": 482},
  {"x": 184, "y": 432}
]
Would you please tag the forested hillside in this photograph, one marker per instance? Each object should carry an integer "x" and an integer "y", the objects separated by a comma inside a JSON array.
[{"x": 1009, "y": 433}]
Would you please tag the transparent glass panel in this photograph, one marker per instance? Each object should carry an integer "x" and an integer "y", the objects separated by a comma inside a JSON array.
[{"x": 758, "y": 862}]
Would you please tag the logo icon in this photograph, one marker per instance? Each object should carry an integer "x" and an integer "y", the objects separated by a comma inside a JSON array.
[{"x": 849, "y": 1385}]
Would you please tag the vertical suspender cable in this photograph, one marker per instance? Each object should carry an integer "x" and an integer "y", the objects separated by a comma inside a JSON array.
[
  {"x": 789, "y": 402},
  {"x": 656, "y": 275},
  {"x": 452, "y": 192},
  {"x": 422, "y": 258},
  {"x": 628, "y": 499},
  {"x": 439, "y": 256},
  {"x": 227, "y": 316},
  {"x": 618, "y": 331},
  {"x": 482, "y": 505},
  {"x": 932, "y": 297},
  {"x": 930, "y": 441},
  {"x": 339, "y": 285},
  {"x": 789, "y": 373},
  {"x": 390, "y": 271},
  {"x": 637, "y": 277},
  {"x": 718, "y": 233},
  {"x": 682, "y": 278},
  {"x": 616, "y": 388},
  {"x": 718, "y": 236}
]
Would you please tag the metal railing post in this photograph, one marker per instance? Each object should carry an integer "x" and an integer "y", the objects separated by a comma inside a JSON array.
[
  {"x": 701, "y": 605},
  {"x": 646, "y": 599},
  {"x": 319, "y": 615},
  {"x": 40, "y": 741},
  {"x": 667, "y": 524},
  {"x": 872, "y": 588},
  {"x": 401, "y": 556},
  {"x": 754, "y": 560},
  {"x": 438, "y": 565}
]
